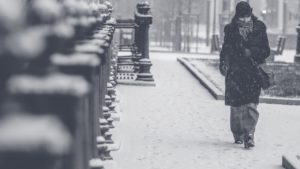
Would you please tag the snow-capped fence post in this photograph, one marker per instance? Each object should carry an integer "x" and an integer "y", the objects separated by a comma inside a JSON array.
[
  {"x": 32, "y": 141},
  {"x": 86, "y": 66},
  {"x": 143, "y": 19},
  {"x": 57, "y": 95}
]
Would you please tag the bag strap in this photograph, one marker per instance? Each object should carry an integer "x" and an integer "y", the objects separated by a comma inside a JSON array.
[{"x": 253, "y": 62}]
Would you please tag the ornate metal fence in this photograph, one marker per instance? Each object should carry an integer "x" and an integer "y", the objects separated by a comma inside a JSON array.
[
  {"x": 134, "y": 64},
  {"x": 57, "y": 84}
]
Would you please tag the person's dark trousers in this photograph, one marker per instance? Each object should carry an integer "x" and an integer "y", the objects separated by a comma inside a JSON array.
[{"x": 243, "y": 120}]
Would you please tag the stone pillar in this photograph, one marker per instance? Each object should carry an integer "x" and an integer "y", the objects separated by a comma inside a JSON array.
[
  {"x": 297, "y": 57},
  {"x": 143, "y": 19},
  {"x": 137, "y": 37}
]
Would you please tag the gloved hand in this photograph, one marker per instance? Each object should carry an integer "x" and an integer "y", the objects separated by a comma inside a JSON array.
[
  {"x": 223, "y": 69},
  {"x": 247, "y": 52}
]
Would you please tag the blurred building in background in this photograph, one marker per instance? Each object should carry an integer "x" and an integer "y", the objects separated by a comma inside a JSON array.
[
  {"x": 200, "y": 19},
  {"x": 280, "y": 16}
]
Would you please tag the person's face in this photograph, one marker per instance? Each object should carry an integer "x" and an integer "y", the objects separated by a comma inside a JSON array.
[{"x": 245, "y": 18}]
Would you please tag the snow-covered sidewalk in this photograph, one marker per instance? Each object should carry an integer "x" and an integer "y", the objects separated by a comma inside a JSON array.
[{"x": 178, "y": 124}]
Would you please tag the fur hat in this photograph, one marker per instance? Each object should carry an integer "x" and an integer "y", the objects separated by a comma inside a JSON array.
[{"x": 243, "y": 9}]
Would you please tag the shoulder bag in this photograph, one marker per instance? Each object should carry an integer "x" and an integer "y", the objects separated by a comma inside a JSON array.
[{"x": 266, "y": 77}]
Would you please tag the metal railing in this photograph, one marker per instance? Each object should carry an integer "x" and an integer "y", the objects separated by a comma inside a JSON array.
[
  {"x": 135, "y": 66},
  {"x": 57, "y": 90}
]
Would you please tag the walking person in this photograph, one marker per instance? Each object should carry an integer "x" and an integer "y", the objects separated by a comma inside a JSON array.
[{"x": 245, "y": 42}]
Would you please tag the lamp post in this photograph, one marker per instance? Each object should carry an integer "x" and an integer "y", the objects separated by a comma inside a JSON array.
[
  {"x": 213, "y": 46},
  {"x": 284, "y": 17},
  {"x": 297, "y": 56},
  {"x": 215, "y": 17},
  {"x": 207, "y": 21},
  {"x": 214, "y": 39},
  {"x": 224, "y": 17}
]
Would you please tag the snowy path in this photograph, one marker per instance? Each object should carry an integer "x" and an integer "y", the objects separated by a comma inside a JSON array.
[{"x": 178, "y": 125}]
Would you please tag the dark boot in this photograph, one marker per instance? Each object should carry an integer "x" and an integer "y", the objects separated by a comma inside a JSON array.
[
  {"x": 249, "y": 141},
  {"x": 238, "y": 139}
]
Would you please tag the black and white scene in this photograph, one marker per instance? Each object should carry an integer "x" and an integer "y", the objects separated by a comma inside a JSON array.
[{"x": 149, "y": 84}]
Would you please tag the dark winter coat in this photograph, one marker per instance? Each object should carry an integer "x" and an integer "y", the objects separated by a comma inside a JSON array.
[{"x": 242, "y": 85}]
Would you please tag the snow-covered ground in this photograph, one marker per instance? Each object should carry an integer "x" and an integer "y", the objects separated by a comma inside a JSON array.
[
  {"x": 178, "y": 124},
  {"x": 194, "y": 47},
  {"x": 287, "y": 56}
]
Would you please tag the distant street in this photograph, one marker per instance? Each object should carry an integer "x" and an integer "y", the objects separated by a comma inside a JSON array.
[{"x": 178, "y": 124}]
